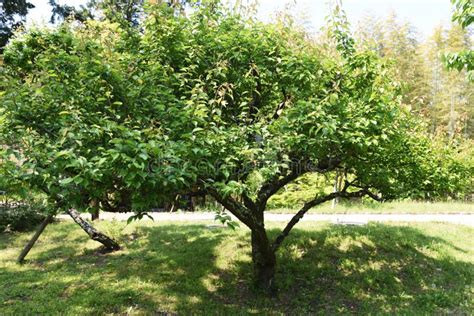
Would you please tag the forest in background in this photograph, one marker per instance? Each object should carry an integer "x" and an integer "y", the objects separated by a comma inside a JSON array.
[{"x": 443, "y": 97}]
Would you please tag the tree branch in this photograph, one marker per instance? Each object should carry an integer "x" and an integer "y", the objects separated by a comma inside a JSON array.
[
  {"x": 281, "y": 107},
  {"x": 242, "y": 213},
  {"x": 308, "y": 205},
  {"x": 93, "y": 233},
  {"x": 270, "y": 188},
  {"x": 368, "y": 193},
  {"x": 254, "y": 105},
  {"x": 248, "y": 202}
]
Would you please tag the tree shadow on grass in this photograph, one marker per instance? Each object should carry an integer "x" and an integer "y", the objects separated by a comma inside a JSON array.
[
  {"x": 6, "y": 238},
  {"x": 177, "y": 260},
  {"x": 159, "y": 270},
  {"x": 376, "y": 268},
  {"x": 391, "y": 269},
  {"x": 178, "y": 268}
]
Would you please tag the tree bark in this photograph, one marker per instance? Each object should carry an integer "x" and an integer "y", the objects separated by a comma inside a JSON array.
[
  {"x": 264, "y": 264},
  {"x": 108, "y": 242},
  {"x": 95, "y": 210},
  {"x": 335, "y": 201},
  {"x": 263, "y": 256},
  {"x": 31, "y": 243},
  {"x": 95, "y": 215}
]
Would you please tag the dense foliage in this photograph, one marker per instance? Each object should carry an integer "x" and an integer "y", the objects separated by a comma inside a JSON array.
[
  {"x": 82, "y": 126},
  {"x": 19, "y": 218},
  {"x": 20, "y": 208},
  {"x": 463, "y": 12}
]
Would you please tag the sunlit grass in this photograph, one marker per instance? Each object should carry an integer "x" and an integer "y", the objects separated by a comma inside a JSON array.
[
  {"x": 398, "y": 207},
  {"x": 192, "y": 268}
]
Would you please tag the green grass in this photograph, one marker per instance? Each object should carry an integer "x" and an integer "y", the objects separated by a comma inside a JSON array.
[
  {"x": 414, "y": 269},
  {"x": 399, "y": 207}
]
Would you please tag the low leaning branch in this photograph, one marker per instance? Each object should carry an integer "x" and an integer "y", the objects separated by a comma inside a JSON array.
[{"x": 316, "y": 201}]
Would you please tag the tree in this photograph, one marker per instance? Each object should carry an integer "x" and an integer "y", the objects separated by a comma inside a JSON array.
[
  {"x": 87, "y": 156},
  {"x": 125, "y": 12},
  {"x": 463, "y": 59},
  {"x": 12, "y": 16},
  {"x": 61, "y": 12},
  {"x": 121, "y": 11},
  {"x": 463, "y": 12},
  {"x": 397, "y": 42},
  {"x": 439, "y": 96},
  {"x": 464, "y": 15},
  {"x": 451, "y": 94},
  {"x": 216, "y": 100}
]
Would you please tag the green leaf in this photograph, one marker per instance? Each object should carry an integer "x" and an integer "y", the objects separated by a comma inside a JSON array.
[{"x": 66, "y": 181}]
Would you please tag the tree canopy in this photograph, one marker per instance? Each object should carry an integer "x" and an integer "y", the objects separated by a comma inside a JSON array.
[{"x": 12, "y": 16}]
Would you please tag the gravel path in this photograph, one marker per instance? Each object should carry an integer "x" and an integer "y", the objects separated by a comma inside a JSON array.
[{"x": 355, "y": 219}]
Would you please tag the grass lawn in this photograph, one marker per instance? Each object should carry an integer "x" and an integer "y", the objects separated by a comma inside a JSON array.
[
  {"x": 164, "y": 268},
  {"x": 398, "y": 207}
]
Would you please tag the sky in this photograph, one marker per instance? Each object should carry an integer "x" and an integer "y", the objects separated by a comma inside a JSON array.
[{"x": 424, "y": 15}]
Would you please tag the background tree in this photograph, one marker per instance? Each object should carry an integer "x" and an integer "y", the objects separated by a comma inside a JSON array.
[
  {"x": 452, "y": 94},
  {"x": 441, "y": 97},
  {"x": 125, "y": 12},
  {"x": 464, "y": 15},
  {"x": 12, "y": 16},
  {"x": 398, "y": 43},
  {"x": 61, "y": 12}
]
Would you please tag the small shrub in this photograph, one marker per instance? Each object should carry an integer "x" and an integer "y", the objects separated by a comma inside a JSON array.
[
  {"x": 19, "y": 218},
  {"x": 294, "y": 195}
]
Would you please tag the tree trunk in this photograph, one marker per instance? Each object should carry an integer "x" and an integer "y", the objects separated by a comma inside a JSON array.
[
  {"x": 108, "y": 242},
  {"x": 335, "y": 201},
  {"x": 95, "y": 210},
  {"x": 95, "y": 215},
  {"x": 35, "y": 237},
  {"x": 264, "y": 264}
]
